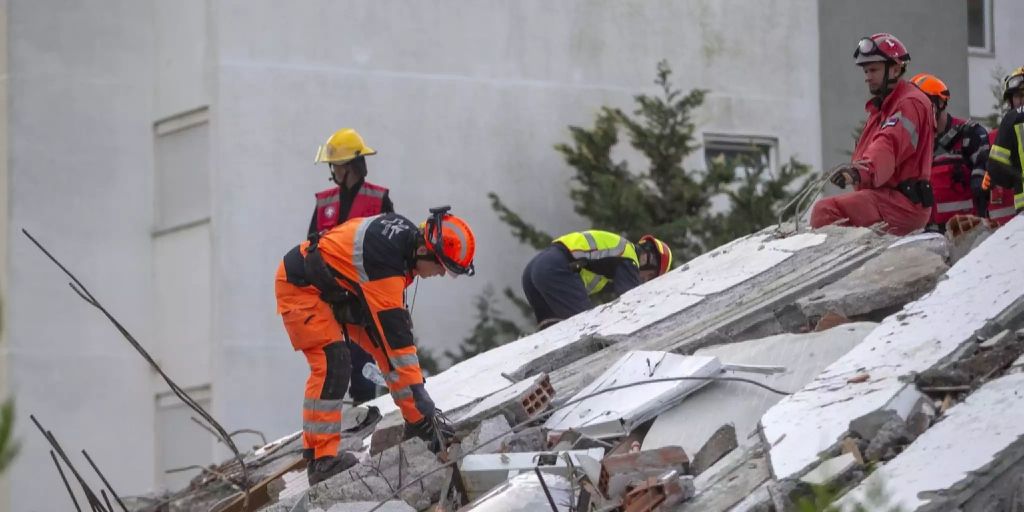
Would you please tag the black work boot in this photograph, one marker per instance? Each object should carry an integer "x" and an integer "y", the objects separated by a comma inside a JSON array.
[{"x": 325, "y": 467}]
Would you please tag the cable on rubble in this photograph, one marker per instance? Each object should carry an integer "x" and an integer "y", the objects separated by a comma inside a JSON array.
[
  {"x": 87, "y": 296},
  {"x": 549, "y": 412}
]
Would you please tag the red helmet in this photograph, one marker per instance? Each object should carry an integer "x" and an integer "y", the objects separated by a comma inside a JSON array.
[
  {"x": 451, "y": 240},
  {"x": 661, "y": 249},
  {"x": 881, "y": 48}
]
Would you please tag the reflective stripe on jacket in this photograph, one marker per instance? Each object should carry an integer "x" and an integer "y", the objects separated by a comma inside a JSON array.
[{"x": 591, "y": 250}]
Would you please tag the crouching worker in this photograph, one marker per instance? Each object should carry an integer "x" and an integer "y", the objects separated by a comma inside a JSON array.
[
  {"x": 558, "y": 282},
  {"x": 349, "y": 283}
]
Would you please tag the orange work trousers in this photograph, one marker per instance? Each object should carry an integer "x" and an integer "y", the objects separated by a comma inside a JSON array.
[{"x": 312, "y": 329}]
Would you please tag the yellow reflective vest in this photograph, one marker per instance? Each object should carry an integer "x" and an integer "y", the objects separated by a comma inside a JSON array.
[
  {"x": 590, "y": 248},
  {"x": 1005, "y": 160}
]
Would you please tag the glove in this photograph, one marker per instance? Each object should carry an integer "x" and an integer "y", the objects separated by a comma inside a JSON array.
[
  {"x": 844, "y": 175},
  {"x": 980, "y": 195},
  {"x": 436, "y": 430}
]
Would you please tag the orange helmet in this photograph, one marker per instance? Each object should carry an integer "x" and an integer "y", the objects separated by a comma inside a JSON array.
[
  {"x": 453, "y": 237},
  {"x": 933, "y": 87},
  {"x": 661, "y": 249}
]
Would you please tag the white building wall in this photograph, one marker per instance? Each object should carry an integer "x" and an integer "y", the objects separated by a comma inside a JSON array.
[
  {"x": 457, "y": 104},
  {"x": 1007, "y": 54},
  {"x": 80, "y": 153}
]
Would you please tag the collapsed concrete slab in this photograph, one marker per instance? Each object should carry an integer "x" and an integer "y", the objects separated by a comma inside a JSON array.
[
  {"x": 366, "y": 506},
  {"x": 889, "y": 280},
  {"x": 933, "y": 475},
  {"x": 751, "y": 309},
  {"x": 571, "y": 339},
  {"x": 982, "y": 291},
  {"x": 692, "y": 423},
  {"x": 617, "y": 412},
  {"x": 377, "y": 478},
  {"x": 722, "y": 487}
]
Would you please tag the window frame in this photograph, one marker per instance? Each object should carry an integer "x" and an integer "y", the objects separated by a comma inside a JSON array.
[
  {"x": 988, "y": 50},
  {"x": 709, "y": 139}
]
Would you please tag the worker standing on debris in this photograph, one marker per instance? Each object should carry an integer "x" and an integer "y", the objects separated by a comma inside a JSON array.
[
  {"x": 349, "y": 283},
  {"x": 345, "y": 153},
  {"x": 559, "y": 280},
  {"x": 1005, "y": 169},
  {"x": 959, "y": 158},
  {"x": 892, "y": 161}
]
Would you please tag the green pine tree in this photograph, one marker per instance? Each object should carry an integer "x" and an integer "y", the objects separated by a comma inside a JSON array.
[
  {"x": 492, "y": 328},
  {"x": 998, "y": 106}
]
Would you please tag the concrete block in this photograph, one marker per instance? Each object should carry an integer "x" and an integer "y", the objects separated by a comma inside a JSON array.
[
  {"x": 722, "y": 486},
  {"x": 721, "y": 443},
  {"x": 831, "y": 470},
  {"x": 890, "y": 280},
  {"x": 533, "y": 439},
  {"x": 619, "y": 470},
  {"x": 496, "y": 427}
]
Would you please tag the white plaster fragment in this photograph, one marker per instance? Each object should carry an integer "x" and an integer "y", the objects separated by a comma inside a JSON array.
[
  {"x": 830, "y": 470},
  {"x": 978, "y": 288},
  {"x": 617, "y": 412}
]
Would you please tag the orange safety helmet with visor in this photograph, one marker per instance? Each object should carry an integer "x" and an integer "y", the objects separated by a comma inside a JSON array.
[{"x": 451, "y": 241}]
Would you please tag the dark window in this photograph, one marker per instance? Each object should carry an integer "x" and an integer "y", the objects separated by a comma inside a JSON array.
[{"x": 979, "y": 24}]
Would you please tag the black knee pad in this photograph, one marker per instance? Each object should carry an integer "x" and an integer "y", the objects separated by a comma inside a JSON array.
[{"x": 339, "y": 371}]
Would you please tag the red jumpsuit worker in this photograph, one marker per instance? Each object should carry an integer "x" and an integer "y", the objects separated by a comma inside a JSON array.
[
  {"x": 892, "y": 162},
  {"x": 349, "y": 283}
]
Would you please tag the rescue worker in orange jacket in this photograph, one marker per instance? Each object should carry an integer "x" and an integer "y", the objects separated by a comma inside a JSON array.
[
  {"x": 345, "y": 153},
  {"x": 1006, "y": 197},
  {"x": 958, "y": 159},
  {"x": 349, "y": 283},
  {"x": 892, "y": 161}
]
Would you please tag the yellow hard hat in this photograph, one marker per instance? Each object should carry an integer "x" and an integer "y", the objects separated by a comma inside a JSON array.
[{"x": 344, "y": 145}]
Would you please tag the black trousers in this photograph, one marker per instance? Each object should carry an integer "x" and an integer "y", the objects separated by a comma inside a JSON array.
[{"x": 552, "y": 287}]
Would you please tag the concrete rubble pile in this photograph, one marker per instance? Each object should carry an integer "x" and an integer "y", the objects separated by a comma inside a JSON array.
[{"x": 839, "y": 364}]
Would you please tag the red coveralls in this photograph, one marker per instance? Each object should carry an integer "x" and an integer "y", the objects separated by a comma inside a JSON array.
[{"x": 897, "y": 144}]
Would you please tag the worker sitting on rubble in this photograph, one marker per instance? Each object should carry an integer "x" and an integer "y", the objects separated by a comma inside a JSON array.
[
  {"x": 1004, "y": 161},
  {"x": 892, "y": 161},
  {"x": 345, "y": 153},
  {"x": 349, "y": 283},
  {"x": 958, "y": 161},
  {"x": 559, "y": 280}
]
